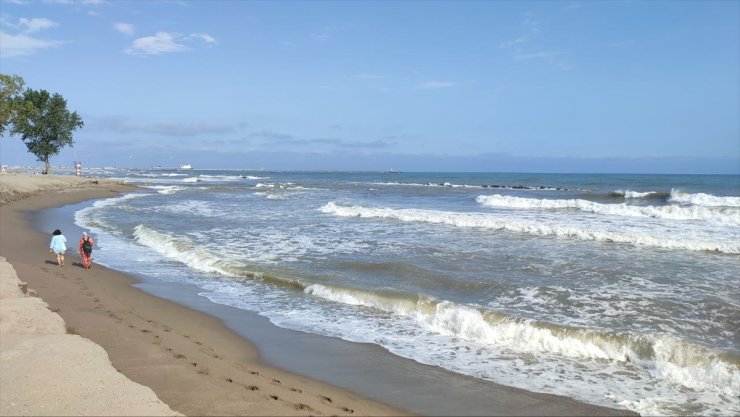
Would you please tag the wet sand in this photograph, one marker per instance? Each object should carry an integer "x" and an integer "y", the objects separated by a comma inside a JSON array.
[{"x": 199, "y": 366}]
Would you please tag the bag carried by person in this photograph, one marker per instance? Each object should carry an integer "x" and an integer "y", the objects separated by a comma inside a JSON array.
[{"x": 87, "y": 247}]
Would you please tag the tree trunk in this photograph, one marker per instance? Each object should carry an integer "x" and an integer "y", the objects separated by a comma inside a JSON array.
[{"x": 48, "y": 166}]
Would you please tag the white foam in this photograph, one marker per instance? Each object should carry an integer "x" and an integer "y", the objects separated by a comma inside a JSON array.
[
  {"x": 528, "y": 226},
  {"x": 662, "y": 356},
  {"x": 701, "y": 199},
  {"x": 219, "y": 177},
  {"x": 193, "y": 208},
  {"x": 180, "y": 249},
  {"x": 166, "y": 189},
  {"x": 191, "y": 179},
  {"x": 723, "y": 216},
  {"x": 636, "y": 194},
  {"x": 451, "y": 185}
]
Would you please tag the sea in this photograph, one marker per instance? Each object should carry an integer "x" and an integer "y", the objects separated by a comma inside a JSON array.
[{"x": 615, "y": 290}]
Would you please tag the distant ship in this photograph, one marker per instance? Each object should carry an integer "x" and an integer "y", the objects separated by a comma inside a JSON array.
[
  {"x": 391, "y": 171},
  {"x": 186, "y": 166}
]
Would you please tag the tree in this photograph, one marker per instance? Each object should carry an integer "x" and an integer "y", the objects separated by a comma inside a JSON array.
[
  {"x": 10, "y": 87},
  {"x": 44, "y": 124}
]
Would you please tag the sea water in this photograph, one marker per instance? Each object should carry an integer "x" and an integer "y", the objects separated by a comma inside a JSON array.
[{"x": 617, "y": 290}]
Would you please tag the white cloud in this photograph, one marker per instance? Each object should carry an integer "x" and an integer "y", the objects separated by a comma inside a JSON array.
[
  {"x": 125, "y": 28},
  {"x": 160, "y": 43},
  {"x": 35, "y": 24},
  {"x": 204, "y": 37},
  {"x": 435, "y": 85},
  {"x": 22, "y": 45}
]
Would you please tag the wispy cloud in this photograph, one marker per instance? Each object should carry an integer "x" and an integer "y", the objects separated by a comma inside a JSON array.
[
  {"x": 77, "y": 2},
  {"x": 436, "y": 85},
  {"x": 124, "y": 125},
  {"x": 326, "y": 33},
  {"x": 36, "y": 24},
  {"x": 25, "y": 43},
  {"x": 271, "y": 139},
  {"x": 165, "y": 42},
  {"x": 159, "y": 43},
  {"x": 125, "y": 28},
  {"x": 368, "y": 76},
  {"x": 204, "y": 37},
  {"x": 525, "y": 46},
  {"x": 531, "y": 29},
  {"x": 22, "y": 45},
  {"x": 547, "y": 57}
]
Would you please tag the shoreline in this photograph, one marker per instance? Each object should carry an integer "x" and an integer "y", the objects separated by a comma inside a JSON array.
[
  {"x": 190, "y": 360},
  {"x": 179, "y": 351}
]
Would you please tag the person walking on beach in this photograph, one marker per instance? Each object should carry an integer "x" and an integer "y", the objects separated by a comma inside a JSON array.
[
  {"x": 85, "y": 250},
  {"x": 58, "y": 245}
]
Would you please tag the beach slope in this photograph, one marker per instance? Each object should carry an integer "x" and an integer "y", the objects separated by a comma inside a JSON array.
[{"x": 190, "y": 360}]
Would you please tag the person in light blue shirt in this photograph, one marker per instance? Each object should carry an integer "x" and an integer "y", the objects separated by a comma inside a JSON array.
[{"x": 58, "y": 245}]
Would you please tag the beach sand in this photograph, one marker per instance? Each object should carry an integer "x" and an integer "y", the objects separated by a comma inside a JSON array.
[{"x": 190, "y": 360}]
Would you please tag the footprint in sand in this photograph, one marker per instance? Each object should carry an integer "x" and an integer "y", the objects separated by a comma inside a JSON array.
[{"x": 301, "y": 406}]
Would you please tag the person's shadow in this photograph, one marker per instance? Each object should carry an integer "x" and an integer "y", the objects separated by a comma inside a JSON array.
[{"x": 77, "y": 264}]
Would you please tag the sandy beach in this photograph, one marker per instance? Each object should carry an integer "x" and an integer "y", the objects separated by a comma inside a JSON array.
[{"x": 191, "y": 362}]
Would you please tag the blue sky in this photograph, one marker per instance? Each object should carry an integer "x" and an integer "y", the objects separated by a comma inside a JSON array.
[{"x": 595, "y": 86}]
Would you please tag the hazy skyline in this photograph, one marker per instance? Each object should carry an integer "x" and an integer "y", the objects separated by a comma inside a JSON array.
[{"x": 551, "y": 86}]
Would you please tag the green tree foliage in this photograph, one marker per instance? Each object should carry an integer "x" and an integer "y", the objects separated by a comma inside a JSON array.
[
  {"x": 44, "y": 124},
  {"x": 10, "y": 88}
]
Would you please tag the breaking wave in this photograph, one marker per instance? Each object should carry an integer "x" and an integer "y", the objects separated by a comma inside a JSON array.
[
  {"x": 492, "y": 222},
  {"x": 672, "y": 363},
  {"x": 183, "y": 250},
  {"x": 678, "y": 361},
  {"x": 495, "y": 186},
  {"x": 724, "y": 216},
  {"x": 701, "y": 199}
]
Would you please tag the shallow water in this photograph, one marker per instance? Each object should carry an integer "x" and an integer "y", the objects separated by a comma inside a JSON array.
[{"x": 616, "y": 290}]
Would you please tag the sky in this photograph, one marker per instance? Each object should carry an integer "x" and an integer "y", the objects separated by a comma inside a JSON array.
[{"x": 544, "y": 86}]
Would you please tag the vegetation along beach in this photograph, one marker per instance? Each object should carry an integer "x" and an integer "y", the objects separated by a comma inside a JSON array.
[{"x": 370, "y": 208}]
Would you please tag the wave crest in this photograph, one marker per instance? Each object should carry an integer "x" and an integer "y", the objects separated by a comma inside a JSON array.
[
  {"x": 488, "y": 221},
  {"x": 723, "y": 216},
  {"x": 701, "y": 199},
  {"x": 682, "y": 362}
]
